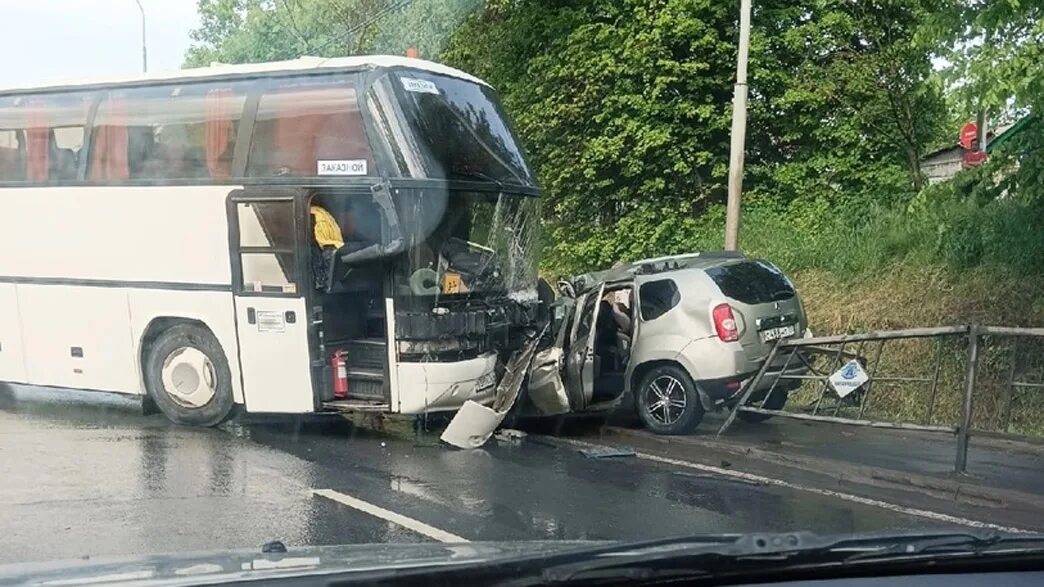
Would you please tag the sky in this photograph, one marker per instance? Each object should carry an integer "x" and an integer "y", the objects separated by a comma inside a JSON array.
[{"x": 48, "y": 40}]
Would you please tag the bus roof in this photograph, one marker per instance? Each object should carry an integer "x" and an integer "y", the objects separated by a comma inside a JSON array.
[{"x": 292, "y": 65}]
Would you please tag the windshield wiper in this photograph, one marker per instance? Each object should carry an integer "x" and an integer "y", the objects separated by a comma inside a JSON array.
[
  {"x": 696, "y": 556},
  {"x": 479, "y": 175},
  {"x": 934, "y": 544}
]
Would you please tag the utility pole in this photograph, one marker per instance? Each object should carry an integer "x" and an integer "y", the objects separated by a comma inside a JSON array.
[
  {"x": 981, "y": 119},
  {"x": 981, "y": 141},
  {"x": 144, "y": 52},
  {"x": 739, "y": 132}
]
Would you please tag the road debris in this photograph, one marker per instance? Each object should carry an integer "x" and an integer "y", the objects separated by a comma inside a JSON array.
[
  {"x": 509, "y": 435},
  {"x": 608, "y": 452},
  {"x": 475, "y": 423}
]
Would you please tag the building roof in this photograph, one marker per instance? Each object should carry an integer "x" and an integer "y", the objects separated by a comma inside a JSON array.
[
  {"x": 992, "y": 136},
  {"x": 221, "y": 69}
]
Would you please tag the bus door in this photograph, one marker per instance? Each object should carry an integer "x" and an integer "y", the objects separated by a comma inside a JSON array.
[{"x": 271, "y": 311}]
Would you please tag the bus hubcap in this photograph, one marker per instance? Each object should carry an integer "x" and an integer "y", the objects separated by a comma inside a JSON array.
[
  {"x": 665, "y": 399},
  {"x": 188, "y": 377}
]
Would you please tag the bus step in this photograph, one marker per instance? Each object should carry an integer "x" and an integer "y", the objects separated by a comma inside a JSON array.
[
  {"x": 366, "y": 383},
  {"x": 358, "y": 375},
  {"x": 368, "y": 353},
  {"x": 356, "y": 405}
]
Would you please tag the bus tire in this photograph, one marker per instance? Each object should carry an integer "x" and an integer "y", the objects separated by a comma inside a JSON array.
[{"x": 187, "y": 376}]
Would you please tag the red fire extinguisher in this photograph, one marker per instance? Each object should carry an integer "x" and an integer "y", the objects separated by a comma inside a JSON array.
[{"x": 339, "y": 368}]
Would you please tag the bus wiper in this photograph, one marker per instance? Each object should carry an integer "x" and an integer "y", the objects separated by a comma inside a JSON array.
[
  {"x": 708, "y": 555},
  {"x": 479, "y": 175}
]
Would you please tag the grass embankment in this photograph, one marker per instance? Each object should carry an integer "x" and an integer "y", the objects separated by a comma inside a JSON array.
[
  {"x": 952, "y": 255},
  {"x": 905, "y": 296}
]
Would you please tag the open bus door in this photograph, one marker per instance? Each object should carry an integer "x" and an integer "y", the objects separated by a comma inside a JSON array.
[{"x": 271, "y": 310}]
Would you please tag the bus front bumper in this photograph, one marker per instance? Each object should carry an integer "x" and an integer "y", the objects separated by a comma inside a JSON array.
[{"x": 437, "y": 387}]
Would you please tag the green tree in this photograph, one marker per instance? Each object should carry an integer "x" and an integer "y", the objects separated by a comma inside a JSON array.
[
  {"x": 851, "y": 91},
  {"x": 625, "y": 108},
  {"x": 238, "y": 31},
  {"x": 996, "y": 50},
  {"x": 622, "y": 106},
  {"x": 997, "y": 64}
]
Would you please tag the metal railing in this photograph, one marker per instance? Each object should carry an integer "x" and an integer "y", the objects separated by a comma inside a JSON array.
[{"x": 947, "y": 377}]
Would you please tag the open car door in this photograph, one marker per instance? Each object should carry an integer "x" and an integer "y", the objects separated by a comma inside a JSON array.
[
  {"x": 547, "y": 389},
  {"x": 581, "y": 363}
]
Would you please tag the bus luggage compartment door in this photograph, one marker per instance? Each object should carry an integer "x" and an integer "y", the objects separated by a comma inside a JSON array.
[{"x": 271, "y": 313}]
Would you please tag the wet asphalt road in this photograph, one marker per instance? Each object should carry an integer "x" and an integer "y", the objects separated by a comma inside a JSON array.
[{"x": 86, "y": 474}]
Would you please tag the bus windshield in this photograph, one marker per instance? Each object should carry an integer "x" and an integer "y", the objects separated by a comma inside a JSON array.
[
  {"x": 464, "y": 244},
  {"x": 467, "y": 282},
  {"x": 433, "y": 126}
]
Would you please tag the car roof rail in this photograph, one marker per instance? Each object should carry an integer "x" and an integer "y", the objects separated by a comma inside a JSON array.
[{"x": 676, "y": 262}]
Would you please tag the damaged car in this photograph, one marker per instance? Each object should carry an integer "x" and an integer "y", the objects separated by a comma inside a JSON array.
[{"x": 682, "y": 335}]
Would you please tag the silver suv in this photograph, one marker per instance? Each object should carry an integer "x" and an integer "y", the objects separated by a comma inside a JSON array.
[{"x": 682, "y": 334}]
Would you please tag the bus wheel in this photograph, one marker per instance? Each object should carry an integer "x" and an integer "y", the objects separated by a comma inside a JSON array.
[{"x": 186, "y": 374}]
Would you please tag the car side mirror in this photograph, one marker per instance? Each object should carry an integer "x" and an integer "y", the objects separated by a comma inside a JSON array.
[{"x": 566, "y": 289}]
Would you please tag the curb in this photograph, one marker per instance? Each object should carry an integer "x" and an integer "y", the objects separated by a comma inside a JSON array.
[{"x": 952, "y": 490}]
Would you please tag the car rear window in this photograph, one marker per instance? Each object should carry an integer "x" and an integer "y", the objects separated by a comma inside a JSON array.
[
  {"x": 752, "y": 282},
  {"x": 657, "y": 297}
]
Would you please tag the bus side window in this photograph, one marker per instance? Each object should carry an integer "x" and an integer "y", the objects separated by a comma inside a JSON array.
[
  {"x": 12, "y": 155},
  {"x": 167, "y": 132},
  {"x": 266, "y": 242},
  {"x": 298, "y": 126},
  {"x": 67, "y": 144},
  {"x": 41, "y": 137}
]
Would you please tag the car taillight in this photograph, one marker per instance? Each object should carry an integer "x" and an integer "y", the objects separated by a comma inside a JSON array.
[{"x": 725, "y": 323}]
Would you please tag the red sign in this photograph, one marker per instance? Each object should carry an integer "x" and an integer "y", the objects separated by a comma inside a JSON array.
[
  {"x": 972, "y": 158},
  {"x": 969, "y": 133}
]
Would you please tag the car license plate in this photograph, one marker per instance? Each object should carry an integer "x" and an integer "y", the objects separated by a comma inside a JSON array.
[{"x": 777, "y": 333}]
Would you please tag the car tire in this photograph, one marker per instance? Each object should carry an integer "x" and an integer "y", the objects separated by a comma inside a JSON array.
[
  {"x": 670, "y": 383},
  {"x": 776, "y": 401},
  {"x": 187, "y": 376}
]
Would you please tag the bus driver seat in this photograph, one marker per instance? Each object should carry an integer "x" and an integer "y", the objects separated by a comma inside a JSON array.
[
  {"x": 331, "y": 245},
  {"x": 328, "y": 239}
]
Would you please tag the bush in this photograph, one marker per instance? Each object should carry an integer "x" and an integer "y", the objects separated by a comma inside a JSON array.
[{"x": 959, "y": 227}]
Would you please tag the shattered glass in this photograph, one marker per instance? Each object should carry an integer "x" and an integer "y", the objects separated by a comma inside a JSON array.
[
  {"x": 468, "y": 243},
  {"x": 469, "y": 273}
]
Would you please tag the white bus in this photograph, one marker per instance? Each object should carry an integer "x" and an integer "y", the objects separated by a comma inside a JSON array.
[{"x": 310, "y": 235}]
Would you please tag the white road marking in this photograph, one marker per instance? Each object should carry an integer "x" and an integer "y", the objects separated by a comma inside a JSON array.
[
  {"x": 928, "y": 514},
  {"x": 377, "y": 511}
]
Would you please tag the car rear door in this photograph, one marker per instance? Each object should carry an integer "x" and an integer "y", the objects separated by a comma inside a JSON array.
[{"x": 764, "y": 302}]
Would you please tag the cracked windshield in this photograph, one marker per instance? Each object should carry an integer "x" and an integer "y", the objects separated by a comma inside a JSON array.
[{"x": 522, "y": 292}]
